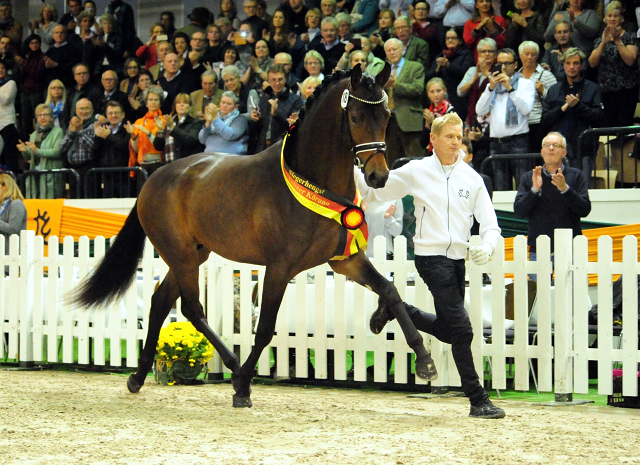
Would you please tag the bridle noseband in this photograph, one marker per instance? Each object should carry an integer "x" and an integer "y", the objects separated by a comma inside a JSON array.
[{"x": 374, "y": 147}]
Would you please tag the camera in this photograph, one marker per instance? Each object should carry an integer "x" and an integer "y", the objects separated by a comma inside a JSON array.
[
  {"x": 496, "y": 67},
  {"x": 243, "y": 34}
]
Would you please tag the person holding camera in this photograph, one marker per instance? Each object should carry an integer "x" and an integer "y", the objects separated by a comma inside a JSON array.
[{"x": 509, "y": 97}]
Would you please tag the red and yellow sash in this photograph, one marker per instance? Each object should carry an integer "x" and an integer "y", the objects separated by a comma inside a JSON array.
[{"x": 354, "y": 234}]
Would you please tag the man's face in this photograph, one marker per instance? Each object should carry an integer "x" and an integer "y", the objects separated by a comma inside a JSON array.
[
  {"x": 328, "y": 32},
  {"x": 393, "y": 51},
  {"x": 231, "y": 82},
  {"x": 572, "y": 67},
  {"x": 5, "y": 44},
  {"x": 114, "y": 115},
  {"x": 166, "y": 20},
  {"x": 109, "y": 81},
  {"x": 59, "y": 34},
  {"x": 225, "y": 28},
  {"x": 208, "y": 85},
  {"x": 250, "y": 8},
  {"x": 448, "y": 142},
  {"x": 283, "y": 60},
  {"x": 563, "y": 34},
  {"x": 5, "y": 12},
  {"x": 84, "y": 109},
  {"x": 553, "y": 150},
  {"x": 75, "y": 8},
  {"x": 198, "y": 41},
  {"x": 81, "y": 75},
  {"x": 277, "y": 81},
  {"x": 162, "y": 50},
  {"x": 403, "y": 30},
  {"x": 294, "y": 4},
  {"x": 508, "y": 63},
  {"x": 171, "y": 63}
]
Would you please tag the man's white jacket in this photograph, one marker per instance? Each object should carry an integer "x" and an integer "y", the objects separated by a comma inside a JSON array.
[{"x": 446, "y": 200}]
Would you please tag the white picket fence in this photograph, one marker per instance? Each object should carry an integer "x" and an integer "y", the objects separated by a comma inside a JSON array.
[{"x": 330, "y": 313}]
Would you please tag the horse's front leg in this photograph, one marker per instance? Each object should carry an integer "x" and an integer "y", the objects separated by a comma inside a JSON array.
[
  {"x": 359, "y": 268},
  {"x": 275, "y": 284}
]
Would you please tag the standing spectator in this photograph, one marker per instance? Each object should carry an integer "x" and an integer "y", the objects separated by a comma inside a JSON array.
[
  {"x": 147, "y": 53},
  {"x": 13, "y": 213},
  {"x": 8, "y": 132},
  {"x": 526, "y": 24},
  {"x": 9, "y": 57},
  {"x": 70, "y": 19},
  {"x": 180, "y": 43},
  {"x": 131, "y": 72},
  {"x": 344, "y": 27},
  {"x": 425, "y": 29},
  {"x": 552, "y": 196},
  {"x": 615, "y": 56},
  {"x": 586, "y": 24},
  {"x": 476, "y": 78},
  {"x": 78, "y": 141},
  {"x": 399, "y": 7},
  {"x": 210, "y": 93},
  {"x": 168, "y": 20},
  {"x": 215, "y": 45},
  {"x": 228, "y": 11},
  {"x": 572, "y": 106},
  {"x": 141, "y": 150},
  {"x": 278, "y": 104},
  {"x": 438, "y": 106},
  {"x": 311, "y": 37},
  {"x": 258, "y": 24},
  {"x": 9, "y": 27},
  {"x": 248, "y": 99},
  {"x": 563, "y": 41},
  {"x": 454, "y": 13},
  {"x": 42, "y": 151},
  {"x": 278, "y": 33},
  {"x": 442, "y": 246},
  {"x": 162, "y": 48},
  {"x": 330, "y": 46},
  {"x": 59, "y": 59},
  {"x": 414, "y": 48},
  {"x": 138, "y": 103},
  {"x": 383, "y": 33},
  {"x": 451, "y": 66},
  {"x": 200, "y": 16},
  {"x": 285, "y": 60},
  {"x": 177, "y": 135},
  {"x": 111, "y": 149},
  {"x": 87, "y": 38},
  {"x": 112, "y": 93},
  {"x": 82, "y": 89},
  {"x": 314, "y": 64},
  {"x": 328, "y": 8},
  {"x": 259, "y": 63},
  {"x": 109, "y": 46},
  {"x": 31, "y": 86},
  {"x": 296, "y": 14},
  {"x": 365, "y": 24},
  {"x": 542, "y": 80},
  {"x": 172, "y": 81},
  {"x": 195, "y": 65},
  {"x": 125, "y": 23},
  {"x": 225, "y": 129},
  {"x": 509, "y": 98},
  {"x": 43, "y": 26},
  {"x": 308, "y": 86},
  {"x": 405, "y": 88},
  {"x": 484, "y": 23},
  {"x": 56, "y": 96}
]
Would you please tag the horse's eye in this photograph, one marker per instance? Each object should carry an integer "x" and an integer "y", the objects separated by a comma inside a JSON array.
[{"x": 354, "y": 119}]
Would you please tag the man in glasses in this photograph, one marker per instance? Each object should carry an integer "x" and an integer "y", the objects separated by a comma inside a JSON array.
[
  {"x": 509, "y": 98},
  {"x": 553, "y": 195}
]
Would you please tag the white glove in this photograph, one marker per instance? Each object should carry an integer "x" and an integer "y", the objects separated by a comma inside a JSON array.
[{"x": 481, "y": 254}]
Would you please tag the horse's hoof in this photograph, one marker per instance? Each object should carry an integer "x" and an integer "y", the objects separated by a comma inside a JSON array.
[
  {"x": 133, "y": 385},
  {"x": 426, "y": 369},
  {"x": 242, "y": 402}
]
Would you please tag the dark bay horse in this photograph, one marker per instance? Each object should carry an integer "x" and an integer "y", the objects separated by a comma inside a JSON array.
[{"x": 244, "y": 209}]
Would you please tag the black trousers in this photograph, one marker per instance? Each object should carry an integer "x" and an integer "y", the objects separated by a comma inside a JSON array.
[{"x": 450, "y": 324}]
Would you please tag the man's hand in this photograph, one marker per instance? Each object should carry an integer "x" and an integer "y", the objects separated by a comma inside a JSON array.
[
  {"x": 391, "y": 83},
  {"x": 274, "y": 106},
  {"x": 473, "y": 134},
  {"x": 49, "y": 63},
  {"x": 559, "y": 181},
  {"x": 75, "y": 124},
  {"x": 480, "y": 254},
  {"x": 572, "y": 100},
  {"x": 100, "y": 130},
  {"x": 536, "y": 178},
  {"x": 255, "y": 115},
  {"x": 293, "y": 118}
]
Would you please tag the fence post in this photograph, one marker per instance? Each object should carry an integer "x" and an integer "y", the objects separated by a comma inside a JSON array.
[
  {"x": 630, "y": 316},
  {"x": 25, "y": 297},
  {"x": 563, "y": 315}
]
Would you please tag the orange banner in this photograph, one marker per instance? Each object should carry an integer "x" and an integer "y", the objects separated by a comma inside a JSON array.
[{"x": 44, "y": 217}]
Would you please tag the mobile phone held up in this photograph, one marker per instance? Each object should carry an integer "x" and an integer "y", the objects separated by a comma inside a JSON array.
[
  {"x": 357, "y": 44},
  {"x": 496, "y": 68},
  {"x": 240, "y": 38}
]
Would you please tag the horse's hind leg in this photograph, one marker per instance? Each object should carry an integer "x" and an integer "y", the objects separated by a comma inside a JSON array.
[
  {"x": 161, "y": 303},
  {"x": 359, "y": 268}
]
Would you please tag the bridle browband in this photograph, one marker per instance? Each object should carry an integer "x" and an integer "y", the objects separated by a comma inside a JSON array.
[{"x": 374, "y": 147}]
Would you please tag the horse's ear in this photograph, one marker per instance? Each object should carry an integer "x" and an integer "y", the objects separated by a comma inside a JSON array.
[
  {"x": 383, "y": 76},
  {"x": 356, "y": 75}
]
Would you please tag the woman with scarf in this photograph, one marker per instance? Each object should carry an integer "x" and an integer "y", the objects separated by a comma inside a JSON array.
[
  {"x": 450, "y": 66},
  {"x": 56, "y": 96},
  {"x": 8, "y": 91},
  {"x": 440, "y": 106},
  {"x": 225, "y": 129},
  {"x": 42, "y": 150},
  {"x": 141, "y": 150},
  {"x": 13, "y": 213},
  {"x": 177, "y": 135}
]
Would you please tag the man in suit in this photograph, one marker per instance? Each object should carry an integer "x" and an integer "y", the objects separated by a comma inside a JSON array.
[
  {"x": 162, "y": 48},
  {"x": 210, "y": 93},
  {"x": 414, "y": 48},
  {"x": 405, "y": 87},
  {"x": 111, "y": 92}
]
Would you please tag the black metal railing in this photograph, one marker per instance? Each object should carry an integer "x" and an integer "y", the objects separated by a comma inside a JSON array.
[
  {"x": 50, "y": 184},
  {"x": 503, "y": 157},
  {"x": 103, "y": 183}
]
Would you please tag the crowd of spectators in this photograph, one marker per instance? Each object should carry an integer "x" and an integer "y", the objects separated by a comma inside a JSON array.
[{"x": 241, "y": 80}]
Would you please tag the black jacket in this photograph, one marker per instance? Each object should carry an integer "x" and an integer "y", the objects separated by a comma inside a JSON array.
[
  {"x": 114, "y": 150},
  {"x": 185, "y": 136}
]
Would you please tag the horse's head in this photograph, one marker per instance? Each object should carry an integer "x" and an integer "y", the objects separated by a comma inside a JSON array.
[{"x": 365, "y": 103}]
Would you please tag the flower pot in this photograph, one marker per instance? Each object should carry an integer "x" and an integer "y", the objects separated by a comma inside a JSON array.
[{"x": 180, "y": 372}]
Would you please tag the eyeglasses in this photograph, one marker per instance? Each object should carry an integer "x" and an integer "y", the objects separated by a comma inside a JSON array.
[
  {"x": 547, "y": 145},
  {"x": 42, "y": 115},
  {"x": 505, "y": 63}
]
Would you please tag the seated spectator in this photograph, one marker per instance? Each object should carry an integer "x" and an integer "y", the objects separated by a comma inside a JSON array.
[
  {"x": 330, "y": 46},
  {"x": 180, "y": 42},
  {"x": 78, "y": 141},
  {"x": 367, "y": 14},
  {"x": 55, "y": 98},
  {"x": 231, "y": 58},
  {"x": 111, "y": 150},
  {"x": 256, "y": 74},
  {"x": 401, "y": 7},
  {"x": 228, "y": 12},
  {"x": 9, "y": 27},
  {"x": 216, "y": 44},
  {"x": 308, "y": 87},
  {"x": 43, "y": 26},
  {"x": 278, "y": 34},
  {"x": 70, "y": 19},
  {"x": 42, "y": 152},
  {"x": 258, "y": 24},
  {"x": 276, "y": 106},
  {"x": 196, "y": 65},
  {"x": 147, "y": 53},
  {"x": 225, "y": 27},
  {"x": 31, "y": 86},
  {"x": 438, "y": 106},
  {"x": 110, "y": 93},
  {"x": 59, "y": 58},
  {"x": 131, "y": 71},
  {"x": 312, "y": 22},
  {"x": 297, "y": 16},
  {"x": 177, "y": 135},
  {"x": 9, "y": 56},
  {"x": 173, "y": 81},
  {"x": 162, "y": 48},
  {"x": 83, "y": 89},
  {"x": 328, "y": 8},
  {"x": 451, "y": 66},
  {"x": 285, "y": 60},
  {"x": 109, "y": 46},
  {"x": 8, "y": 131},
  {"x": 210, "y": 93},
  {"x": 13, "y": 213},
  {"x": 358, "y": 58},
  {"x": 415, "y": 49},
  {"x": 168, "y": 20},
  {"x": 248, "y": 99},
  {"x": 526, "y": 24},
  {"x": 384, "y": 32},
  {"x": 314, "y": 64},
  {"x": 586, "y": 24},
  {"x": 374, "y": 64},
  {"x": 138, "y": 103},
  {"x": 425, "y": 29},
  {"x": 141, "y": 150},
  {"x": 383, "y": 219},
  {"x": 484, "y": 23},
  {"x": 563, "y": 41},
  {"x": 344, "y": 27},
  {"x": 225, "y": 130}
]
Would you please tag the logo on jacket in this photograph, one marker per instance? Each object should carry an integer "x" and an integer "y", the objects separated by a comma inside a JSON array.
[{"x": 463, "y": 194}]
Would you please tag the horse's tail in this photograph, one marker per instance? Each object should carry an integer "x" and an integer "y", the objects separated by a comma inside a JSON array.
[{"x": 117, "y": 269}]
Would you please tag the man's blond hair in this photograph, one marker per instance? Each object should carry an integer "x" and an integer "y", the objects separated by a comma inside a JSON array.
[{"x": 441, "y": 121}]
